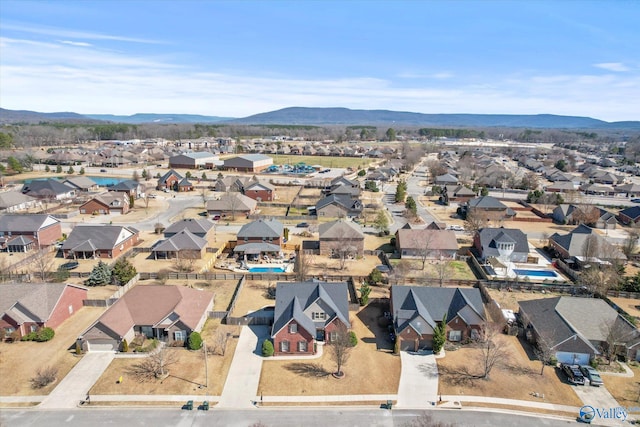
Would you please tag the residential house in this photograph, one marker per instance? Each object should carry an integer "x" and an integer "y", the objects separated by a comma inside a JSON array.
[
  {"x": 430, "y": 243},
  {"x": 458, "y": 193},
  {"x": 630, "y": 215},
  {"x": 195, "y": 160},
  {"x": 99, "y": 241},
  {"x": 338, "y": 206},
  {"x": 561, "y": 187},
  {"x": 166, "y": 313},
  {"x": 588, "y": 214},
  {"x": 446, "y": 179},
  {"x": 248, "y": 163},
  {"x": 306, "y": 313},
  {"x": 15, "y": 201},
  {"x": 417, "y": 311},
  {"x": 81, "y": 184},
  {"x": 231, "y": 204},
  {"x": 198, "y": 227},
  {"x": 27, "y": 307},
  {"x": 181, "y": 245},
  {"x": 341, "y": 186},
  {"x": 105, "y": 204},
  {"x": 575, "y": 329},
  {"x": 260, "y": 191},
  {"x": 48, "y": 189},
  {"x": 172, "y": 180},
  {"x": 341, "y": 234},
  {"x": 489, "y": 207},
  {"x": 584, "y": 244},
  {"x": 20, "y": 233},
  {"x": 130, "y": 187},
  {"x": 260, "y": 237},
  {"x": 628, "y": 190},
  {"x": 505, "y": 244}
]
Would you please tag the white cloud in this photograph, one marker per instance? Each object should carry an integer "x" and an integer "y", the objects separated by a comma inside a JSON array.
[
  {"x": 66, "y": 77},
  {"x": 71, "y": 34},
  {"x": 612, "y": 66},
  {"x": 439, "y": 76},
  {"x": 72, "y": 43}
]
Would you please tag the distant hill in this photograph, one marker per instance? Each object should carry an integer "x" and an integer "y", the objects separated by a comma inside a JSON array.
[
  {"x": 24, "y": 116},
  {"x": 158, "y": 118},
  {"x": 345, "y": 116}
]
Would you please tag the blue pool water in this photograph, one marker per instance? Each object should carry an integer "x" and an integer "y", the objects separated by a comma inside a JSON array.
[
  {"x": 536, "y": 273},
  {"x": 266, "y": 270},
  {"x": 102, "y": 181}
]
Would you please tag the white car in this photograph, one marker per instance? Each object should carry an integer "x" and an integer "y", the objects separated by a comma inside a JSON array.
[{"x": 455, "y": 228}]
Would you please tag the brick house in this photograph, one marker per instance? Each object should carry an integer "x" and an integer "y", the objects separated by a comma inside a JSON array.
[
  {"x": 104, "y": 204},
  {"x": 99, "y": 241},
  {"x": 35, "y": 231},
  {"x": 130, "y": 187},
  {"x": 418, "y": 310},
  {"x": 260, "y": 191},
  {"x": 306, "y": 313},
  {"x": 27, "y": 307},
  {"x": 172, "y": 180},
  {"x": 340, "y": 233}
]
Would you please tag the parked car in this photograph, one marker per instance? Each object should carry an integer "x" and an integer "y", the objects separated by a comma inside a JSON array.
[
  {"x": 302, "y": 225},
  {"x": 573, "y": 373},
  {"x": 216, "y": 217},
  {"x": 103, "y": 170},
  {"x": 592, "y": 375},
  {"x": 635, "y": 200}
]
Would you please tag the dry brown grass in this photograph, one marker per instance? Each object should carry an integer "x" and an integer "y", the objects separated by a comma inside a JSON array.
[
  {"x": 468, "y": 405},
  {"x": 20, "y": 360},
  {"x": 368, "y": 371},
  {"x": 509, "y": 300},
  {"x": 624, "y": 389},
  {"x": 631, "y": 306},
  {"x": 185, "y": 377},
  {"x": 252, "y": 297},
  {"x": 518, "y": 377}
]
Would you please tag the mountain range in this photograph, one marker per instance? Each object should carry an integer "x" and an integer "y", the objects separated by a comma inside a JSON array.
[{"x": 333, "y": 116}]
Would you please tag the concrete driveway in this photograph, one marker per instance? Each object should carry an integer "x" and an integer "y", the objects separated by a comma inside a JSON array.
[
  {"x": 418, "y": 380},
  {"x": 75, "y": 386},
  {"x": 598, "y": 397},
  {"x": 241, "y": 386}
]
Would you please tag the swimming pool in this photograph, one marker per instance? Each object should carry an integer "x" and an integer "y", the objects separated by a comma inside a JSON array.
[
  {"x": 536, "y": 273},
  {"x": 267, "y": 270},
  {"x": 102, "y": 181}
]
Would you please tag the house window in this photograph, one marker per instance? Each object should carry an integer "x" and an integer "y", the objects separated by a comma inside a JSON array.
[
  {"x": 318, "y": 315},
  {"x": 474, "y": 334},
  {"x": 70, "y": 309},
  {"x": 9, "y": 330},
  {"x": 180, "y": 335},
  {"x": 33, "y": 328},
  {"x": 302, "y": 346},
  {"x": 455, "y": 335},
  {"x": 147, "y": 331},
  {"x": 293, "y": 328},
  {"x": 333, "y": 336},
  {"x": 284, "y": 346}
]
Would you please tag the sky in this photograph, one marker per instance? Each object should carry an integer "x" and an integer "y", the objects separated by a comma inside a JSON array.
[{"x": 238, "y": 58}]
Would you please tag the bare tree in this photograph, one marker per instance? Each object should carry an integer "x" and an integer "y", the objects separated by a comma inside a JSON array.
[
  {"x": 145, "y": 200},
  {"x": 474, "y": 222},
  {"x": 423, "y": 242},
  {"x": 590, "y": 248},
  {"x": 617, "y": 332},
  {"x": 234, "y": 203},
  {"x": 442, "y": 268},
  {"x": 42, "y": 264},
  {"x": 493, "y": 349},
  {"x": 303, "y": 265},
  {"x": 586, "y": 214},
  {"x": 342, "y": 250},
  {"x": 155, "y": 365},
  {"x": 630, "y": 242},
  {"x": 340, "y": 347},
  {"x": 543, "y": 349},
  {"x": 219, "y": 345}
]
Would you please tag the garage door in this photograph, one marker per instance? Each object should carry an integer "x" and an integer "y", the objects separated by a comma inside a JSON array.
[
  {"x": 102, "y": 345},
  {"x": 572, "y": 358},
  {"x": 406, "y": 345},
  {"x": 425, "y": 345}
]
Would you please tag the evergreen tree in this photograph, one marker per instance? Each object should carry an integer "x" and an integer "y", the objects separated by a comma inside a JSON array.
[
  {"x": 58, "y": 169},
  {"x": 81, "y": 171},
  {"x": 71, "y": 171},
  {"x": 47, "y": 168},
  {"x": 123, "y": 271},
  {"x": 145, "y": 174},
  {"x": 100, "y": 275}
]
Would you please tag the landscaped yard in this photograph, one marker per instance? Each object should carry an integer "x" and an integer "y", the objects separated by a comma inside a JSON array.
[
  {"x": 509, "y": 300},
  {"x": 20, "y": 361},
  {"x": 624, "y": 389},
  {"x": 631, "y": 306},
  {"x": 516, "y": 377},
  {"x": 185, "y": 377},
  {"x": 253, "y": 297},
  {"x": 371, "y": 368},
  {"x": 454, "y": 270}
]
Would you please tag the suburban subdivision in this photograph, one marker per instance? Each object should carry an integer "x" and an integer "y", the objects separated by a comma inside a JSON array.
[{"x": 414, "y": 273}]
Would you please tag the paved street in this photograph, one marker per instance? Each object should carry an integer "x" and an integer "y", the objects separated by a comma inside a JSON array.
[{"x": 318, "y": 417}]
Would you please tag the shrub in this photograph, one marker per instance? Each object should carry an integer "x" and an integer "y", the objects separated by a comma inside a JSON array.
[
  {"x": 44, "y": 377},
  {"x": 31, "y": 336},
  {"x": 45, "y": 334},
  {"x": 365, "y": 290},
  {"x": 78, "y": 348},
  {"x": 267, "y": 348},
  {"x": 195, "y": 341},
  {"x": 353, "y": 339},
  {"x": 125, "y": 346},
  {"x": 375, "y": 276},
  {"x": 593, "y": 363}
]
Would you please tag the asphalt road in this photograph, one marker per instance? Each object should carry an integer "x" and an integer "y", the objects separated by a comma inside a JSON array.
[{"x": 352, "y": 417}]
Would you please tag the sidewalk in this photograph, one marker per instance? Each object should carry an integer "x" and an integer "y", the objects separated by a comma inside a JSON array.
[
  {"x": 513, "y": 402},
  {"x": 628, "y": 373}
]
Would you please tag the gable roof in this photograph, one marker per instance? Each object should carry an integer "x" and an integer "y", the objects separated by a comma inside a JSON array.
[
  {"x": 292, "y": 298},
  {"x": 340, "y": 229},
  {"x": 81, "y": 182},
  {"x": 632, "y": 212},
  {"x": 46, "y": 187},
  {"x": 28, "y": 223},
  {"x": 108, "y": 199},
  {"x": 127, "y": 185},
  {"x": 150, "y": 304},
  {"x": 342, "y": 200},
  {"x": 193, "y": 225},
  {"x": 490, "y": 236},
  {"x": 445, "y": 240},
  {"x": 9, "y": 199},
  {"x": 163, "y": 178},
  {"x": 486, "y": 202},
  {"x": 269, "y": 228},
  {"x": 93, "y": 237},
  {"x": 574, "y": 241},
  {"x": 31, "y": 301},
  {"x": 431, "y": 304},
  {"x": 232, "y": 201},
  {"x": 183, "y": 240}
]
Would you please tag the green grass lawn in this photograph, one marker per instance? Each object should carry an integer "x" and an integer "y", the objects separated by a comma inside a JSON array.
[{"x": 326, "y": 161}]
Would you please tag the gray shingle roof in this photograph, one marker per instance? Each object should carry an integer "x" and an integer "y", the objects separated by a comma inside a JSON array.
[
  {"x": 22, "y": 223},
  {"x": 31, "y": 301},
  {"x": 340, "y": 228},
  {"x": 293, "y": 298},
  {"x": 194, "y": 225},
  {"x": 9, "y": 199},
  {"x": 45, "y": 187},
  {"x": 94, "y": 237},
  {"x": 257, "y": 247},
  {"x": 486, "y": 202},
  {"x": 183, "y": 240},
  {"x": 127, "y": 185},
  {"x": 268, "y": 228},
  {"x": 489, "y": 237}
]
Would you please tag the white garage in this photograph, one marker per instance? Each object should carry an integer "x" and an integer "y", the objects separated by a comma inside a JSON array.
[
  {"x": 102, "y": 345},
  {"x": 572, "y": 358}
]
